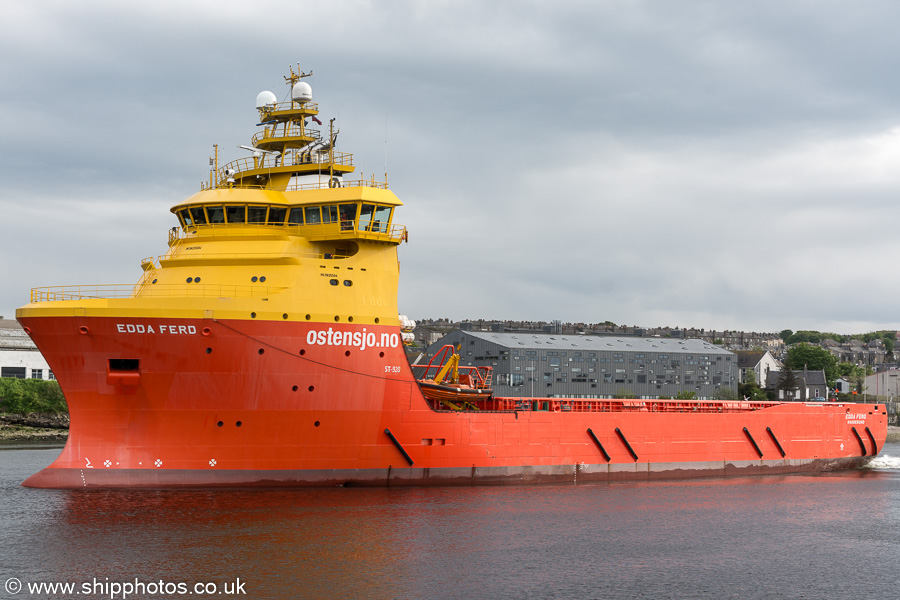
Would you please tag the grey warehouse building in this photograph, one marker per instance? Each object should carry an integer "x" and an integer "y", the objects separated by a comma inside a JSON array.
[{"x": 531, "y": 365}]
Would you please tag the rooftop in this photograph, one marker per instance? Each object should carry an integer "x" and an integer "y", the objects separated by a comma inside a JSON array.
[
  {"x": 13, "y": 337},
  {"x": 597, "y": 342}
]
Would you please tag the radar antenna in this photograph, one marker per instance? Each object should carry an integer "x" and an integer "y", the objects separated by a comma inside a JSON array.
[{"x": 295, "y": 77}]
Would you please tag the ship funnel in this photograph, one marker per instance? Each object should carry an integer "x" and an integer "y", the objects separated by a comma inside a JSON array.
[
  {"x": 264, "y": 99},
  {"x": 301, "y": 92}
]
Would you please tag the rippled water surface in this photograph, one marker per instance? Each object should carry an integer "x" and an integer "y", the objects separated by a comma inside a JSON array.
[{"x": 821, "y": 536}]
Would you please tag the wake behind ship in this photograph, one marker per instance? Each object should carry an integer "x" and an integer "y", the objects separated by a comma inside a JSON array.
[{"x": 264, "y": 348}]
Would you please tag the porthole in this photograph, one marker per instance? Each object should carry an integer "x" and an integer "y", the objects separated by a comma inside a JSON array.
[
  {"x": 381, "y": 355},
  {"x": 238, "y": 423},
  {"x": 302, "y": 351},
  {"x": 220, "y": 423},
  {"x": 316, "y": 423},
  {"x": 308, "y": 317},
  {"x": 294, "y": 389},
  {"x": 377, "y": 320},
  {"x": 154, "y": 281},
  {"x": 284, "y": 316},
  {"x": 347, "y": 353},
  {"x": 262, "y": 279},
  {"x": 262, "y": 351},
  {"x": 348, "y": 283},
  {"x": 189, "y": 279},
  {"x": 336, "y": 318},
  {"x": 312, "y": 387},
  {"x": 196, "y": 280},
  {"x": 333, "y": 281},
  {"x": 253, "y": 315},
  {"x": 253, "y": 279},
  {"x": 350, "y": 319},
  {"x": 209, "y": 350}
]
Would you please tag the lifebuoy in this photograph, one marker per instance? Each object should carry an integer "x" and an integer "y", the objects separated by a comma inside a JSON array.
[{"x": 334, "y": 183}]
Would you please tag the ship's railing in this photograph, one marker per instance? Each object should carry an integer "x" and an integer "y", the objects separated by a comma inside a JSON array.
[
  {"x": 348, "y": 230},
  {"x": 324, "y": 184},
  {"x": 289, "y": 159},
  {"x": 278, "y": 132},
  {"x": 592, "y": 405},
  {"x": 319, "y": 231},
  {"x": 347, "y": 183},
  {"x": 259, "y": 257},
  {"x": 147, "y": 290},
  {"x": 311, "y": 107}
]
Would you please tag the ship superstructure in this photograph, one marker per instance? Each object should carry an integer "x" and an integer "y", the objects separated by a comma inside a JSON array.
[{"x": 265, "y": 348}]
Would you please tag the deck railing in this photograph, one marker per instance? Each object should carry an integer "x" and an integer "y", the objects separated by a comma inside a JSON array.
[
  {"x": 290, "y": 159},
  {"x": 318, "y": 231},
  {"x": 147, "y": 290},
  {"x": 611, "y": 405}
]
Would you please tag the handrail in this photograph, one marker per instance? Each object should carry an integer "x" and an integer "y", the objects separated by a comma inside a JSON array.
[
  {"x": 322, "y": 185},
  {"x": 289, "y": 159},
  {"x": 113, "y": 291},
  {"x": 275, "y": 131},
  {"x": 381, "y": 185},
  {"x": 289, "y": 106},
  {"x": 597, "y": 405},
  {"x": 339, "y": 230},
  {"x": 261, "y": 256}
]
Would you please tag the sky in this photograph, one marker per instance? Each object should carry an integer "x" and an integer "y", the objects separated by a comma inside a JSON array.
[{"x": 718, "y": 165}]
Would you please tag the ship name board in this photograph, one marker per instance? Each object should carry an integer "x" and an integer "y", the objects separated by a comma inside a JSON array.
[
  {"x": 856, "y": 419},
  {"x": 167, "y": 329},
  {"x": 352, "y": 339}
]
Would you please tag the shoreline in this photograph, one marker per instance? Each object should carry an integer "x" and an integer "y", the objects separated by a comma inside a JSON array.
[
  {"x": 33, "y": 427},
  {"x": 893, "y": 434}
]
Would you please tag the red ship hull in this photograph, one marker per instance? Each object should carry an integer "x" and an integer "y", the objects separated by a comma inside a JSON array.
[{"x": 204, "y": 402}]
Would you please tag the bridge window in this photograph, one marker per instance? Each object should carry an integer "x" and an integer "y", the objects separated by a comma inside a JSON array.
[
  {"x": 256, "y": 214},
  {"x": 382, "y": 218},
  {"x": 296, "y": 216},
  {"x": 236, "y": 214},
  {"x": 330, "y": 213},
  {"x": 216, "y": 214},
  {"x": 365, "y": 217},
  {"x": 313, "y": 215},
  {"x": 348, "y": 215},
  {"x": 185, "y": 217},
  {"x": 198, "y": 215},
  {"x": 276, "y": 215}
]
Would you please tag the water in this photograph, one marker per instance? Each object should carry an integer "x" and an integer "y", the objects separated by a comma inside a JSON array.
[{"x": 824, "y": 536}]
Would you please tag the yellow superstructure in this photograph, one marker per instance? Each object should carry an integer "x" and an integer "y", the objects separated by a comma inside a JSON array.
[{"x": 276, "y": 236}]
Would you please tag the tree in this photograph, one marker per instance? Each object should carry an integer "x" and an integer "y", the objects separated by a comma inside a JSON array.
[
  {"x": 751, "y": 390},
  {"x": 855, "y": 374},
  {"x": 789, "y": 383},
  {"x": 726, "y": 393},
  {"x": 814, "y": 358},
  {"x": 685, "y": 395}
]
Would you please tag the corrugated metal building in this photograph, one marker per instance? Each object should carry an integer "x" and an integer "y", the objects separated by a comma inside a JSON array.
[
  {"x": 553, "y": 366},
  {"x": 19, "y": 357}
]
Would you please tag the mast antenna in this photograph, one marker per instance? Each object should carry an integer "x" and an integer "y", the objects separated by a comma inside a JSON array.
[{"x": 385, "y": 146}]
